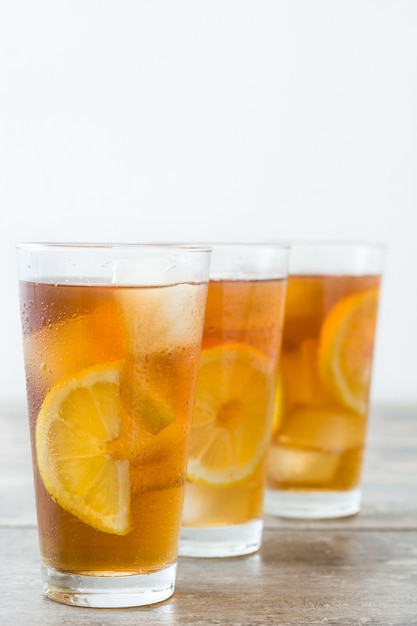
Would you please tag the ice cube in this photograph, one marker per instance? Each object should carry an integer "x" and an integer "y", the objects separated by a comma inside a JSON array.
[
  {"x": 301, "y": 376},
  {"x": 56, "y": 351},
  {"x": 153, "y": 271},
  {"x": 162, "y": 318},
  {"x": 328, "y": 429},
  {"x": 148, "y": 272},
  {"x": 162, "y": 309},
  {"x": 64, "y": 348},
  {"x": 208, "y": 505},
  {"x": 197, "y": 507},
  {"x": 304, "y": 467}
]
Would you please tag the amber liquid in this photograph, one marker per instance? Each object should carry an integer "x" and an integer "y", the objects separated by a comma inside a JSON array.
[
  {"x": 67, "y": 328},
  {"x": 251, "y": 313},
  {"x": 317, "y": 442}
]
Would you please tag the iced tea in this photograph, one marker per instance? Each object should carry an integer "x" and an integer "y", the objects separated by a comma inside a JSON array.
[
  {"x": 111, "y": 372},
  {"x": 234, "y": 407},
  {"x": 323, "y": 384}
]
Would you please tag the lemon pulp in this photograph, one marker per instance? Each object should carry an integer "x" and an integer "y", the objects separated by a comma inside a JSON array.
[
  {"x": 232, "y": 415},
  {"x": 346, "y": 348}
]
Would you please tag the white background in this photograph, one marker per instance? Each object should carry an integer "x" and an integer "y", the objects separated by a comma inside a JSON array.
[{"x": 143, "y": 120}]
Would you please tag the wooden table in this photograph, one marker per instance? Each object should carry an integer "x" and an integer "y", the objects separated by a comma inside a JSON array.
[{"x": 361, "y": 570}]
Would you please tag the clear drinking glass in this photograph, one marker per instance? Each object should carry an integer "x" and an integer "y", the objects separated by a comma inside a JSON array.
[
  {"x": 112, "y": 337},
  {"x": 318, "y": 439},
  {"x": 234, "y": 401}
]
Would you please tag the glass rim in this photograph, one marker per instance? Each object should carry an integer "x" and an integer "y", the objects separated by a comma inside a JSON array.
[
  {"x": 246, "y": 244},
  {"x": 333, "y": 257},
  {"x": 51, "y": 245},
  {"x": 338, "y": 243}
]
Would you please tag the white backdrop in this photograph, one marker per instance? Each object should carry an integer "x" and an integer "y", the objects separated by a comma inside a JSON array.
[{"x": 189, "y": 120}]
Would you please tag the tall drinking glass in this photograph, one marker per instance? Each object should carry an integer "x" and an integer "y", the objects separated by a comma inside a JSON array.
[
  {"x": 112, "y": 337},
  {"x": 318, "y": 440},
  {"x": 234, "y": 401}
]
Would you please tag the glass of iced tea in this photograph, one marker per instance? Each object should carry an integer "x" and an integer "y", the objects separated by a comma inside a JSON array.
[
  {"x": 318, "y": 438},
  {"x": 234, "y": 401},
  {"x": 112, "y": 338}
]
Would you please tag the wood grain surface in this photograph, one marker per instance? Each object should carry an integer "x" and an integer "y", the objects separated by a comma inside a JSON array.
[{"x": 359, "y": 570}]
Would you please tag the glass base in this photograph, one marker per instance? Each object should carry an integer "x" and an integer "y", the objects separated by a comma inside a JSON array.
[
  {"x": 221, "y": 541},
  {"x": 312, "y": 504},
  {"x": 108, "y": 591}
]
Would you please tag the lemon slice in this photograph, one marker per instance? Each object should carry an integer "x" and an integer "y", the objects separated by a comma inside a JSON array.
[
  {"x": 232, "y": 415},
  {"x": 346, "y": 349},
  {"x": 79, "y": 415}
]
